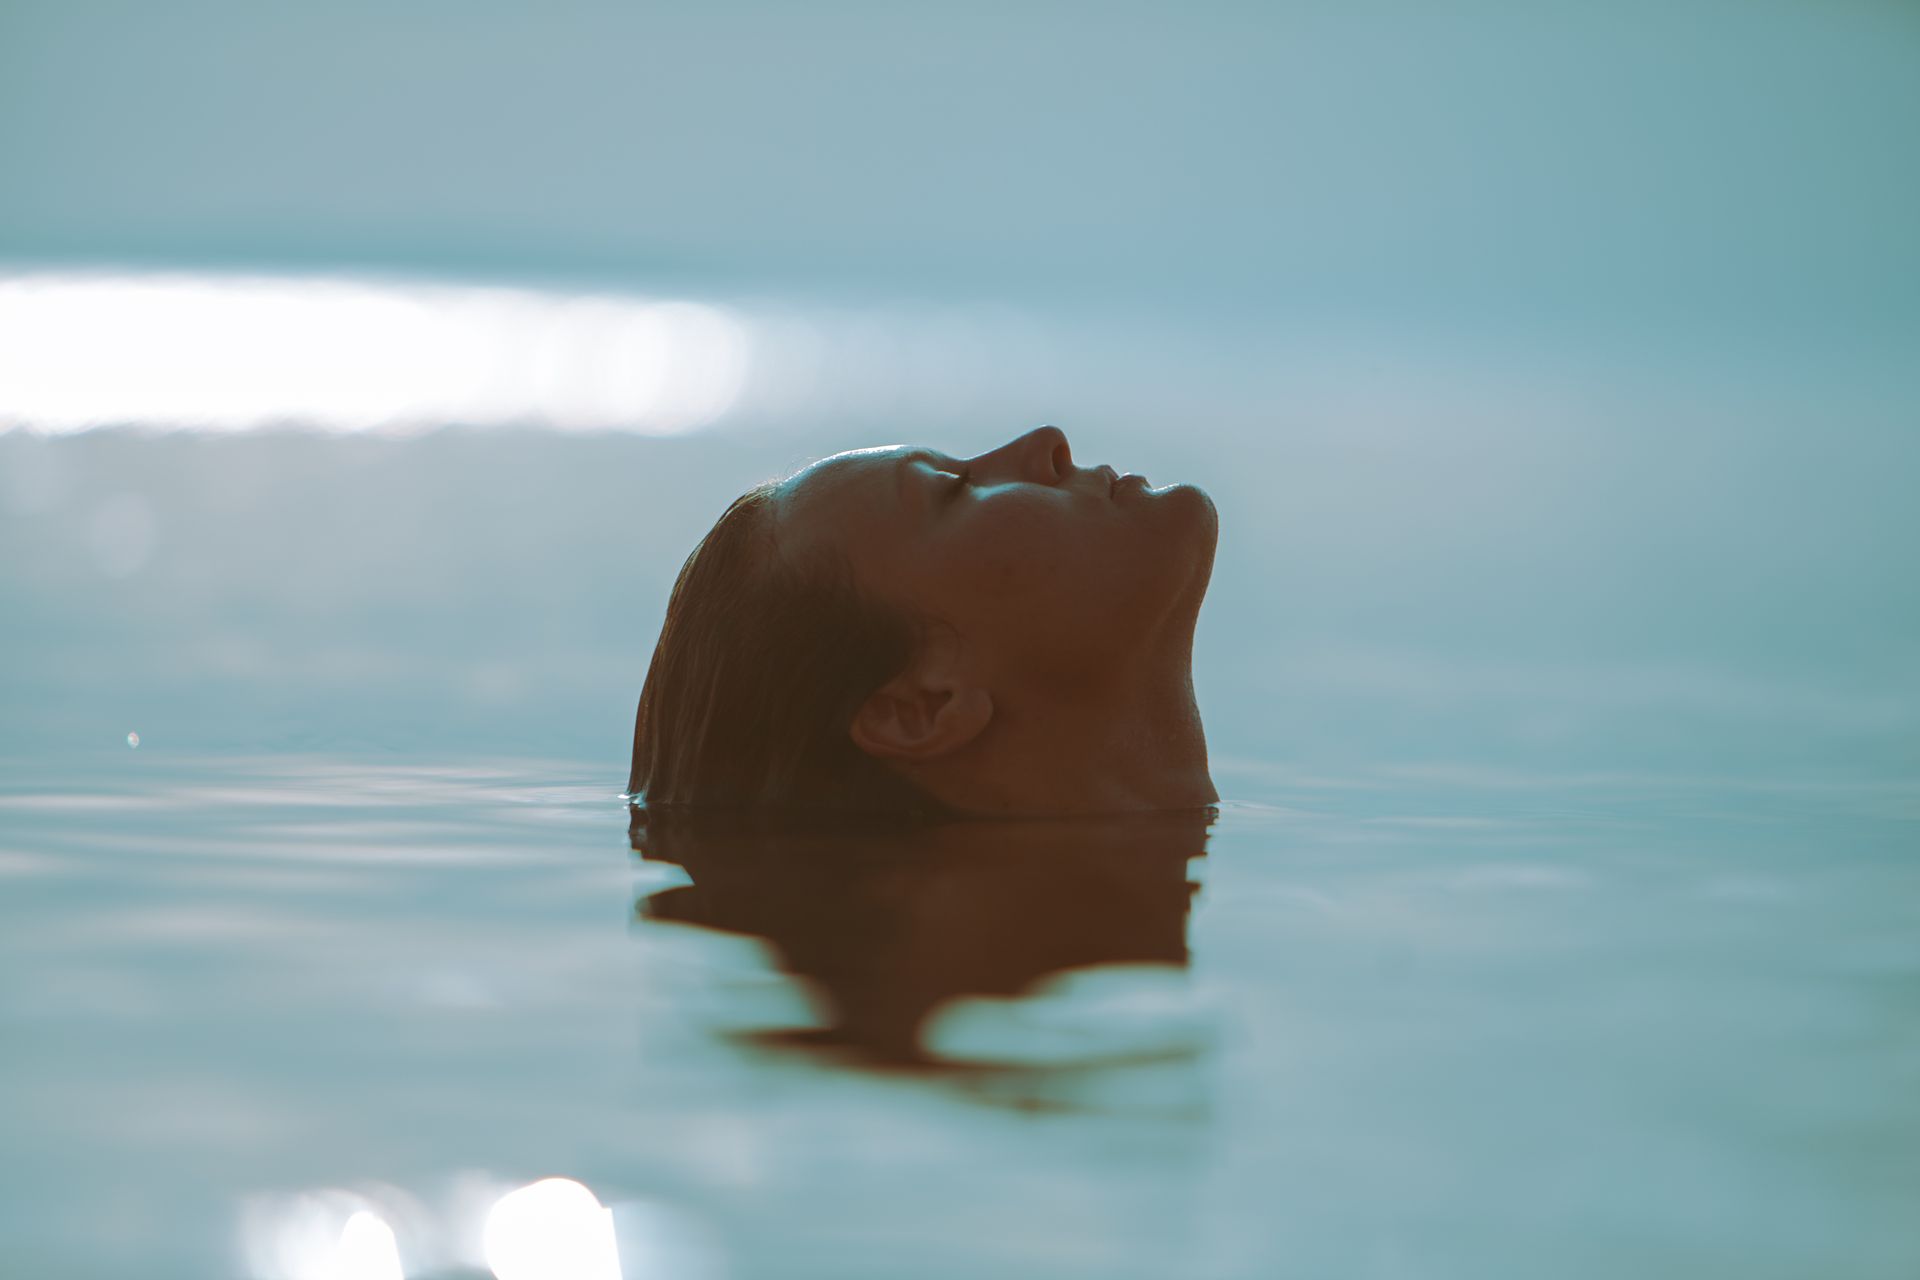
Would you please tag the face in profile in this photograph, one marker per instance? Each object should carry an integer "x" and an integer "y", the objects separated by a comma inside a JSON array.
[
  {"x": 902, "y": 630},
  {"x": 1042, "y": 570}
]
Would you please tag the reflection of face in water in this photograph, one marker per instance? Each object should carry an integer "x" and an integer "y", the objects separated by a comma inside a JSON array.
[{"x": 889, "y": 923}]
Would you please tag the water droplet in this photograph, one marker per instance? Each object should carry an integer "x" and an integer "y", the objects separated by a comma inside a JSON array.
[{"x": 133, "y": 739}]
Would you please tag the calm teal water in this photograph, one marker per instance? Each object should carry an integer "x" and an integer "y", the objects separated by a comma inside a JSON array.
[
  {"x": 1561, "y": 920},
  {"x": 1433, "y": 1026}
]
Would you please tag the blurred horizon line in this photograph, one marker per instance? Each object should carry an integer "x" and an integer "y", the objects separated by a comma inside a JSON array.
[{"x": 392, "y": 352}]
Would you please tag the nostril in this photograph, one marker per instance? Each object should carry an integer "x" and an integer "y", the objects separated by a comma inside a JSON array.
[{"x": 1060, "y": 454}]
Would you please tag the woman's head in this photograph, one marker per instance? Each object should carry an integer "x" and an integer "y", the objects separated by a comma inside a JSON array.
[
  {"x": 760, "y": 665},
  {"x": 896, "y": 628}
]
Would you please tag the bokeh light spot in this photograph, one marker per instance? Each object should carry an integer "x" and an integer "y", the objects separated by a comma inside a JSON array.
[
  {"x": 367, "y": 1250},
  {"x": 554, "y": 1229}
]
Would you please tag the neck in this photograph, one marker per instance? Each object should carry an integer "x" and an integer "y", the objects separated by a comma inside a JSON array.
[{"x": 1137, "y": 747}]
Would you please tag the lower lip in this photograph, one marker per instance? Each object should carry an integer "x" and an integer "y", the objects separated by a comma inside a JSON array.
[{"x": 1129, "y": 482}]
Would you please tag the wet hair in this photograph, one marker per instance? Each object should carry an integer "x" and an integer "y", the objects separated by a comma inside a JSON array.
[{"x": 759, "y": 670}]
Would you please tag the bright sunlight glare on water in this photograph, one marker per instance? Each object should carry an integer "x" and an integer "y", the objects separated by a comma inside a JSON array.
[
  {"x": 342, "y": 354},
  {"x": 367, "y": 1250},
  {"x": 552, "y": 1230}
]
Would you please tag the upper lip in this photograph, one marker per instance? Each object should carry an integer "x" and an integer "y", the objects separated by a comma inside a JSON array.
[{"x": 1113, "y": 478}]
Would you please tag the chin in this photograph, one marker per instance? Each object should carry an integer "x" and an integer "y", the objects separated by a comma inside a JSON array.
[
  {"x": 1199, "y": 524},
  {"x": 1197, "y": 512}
]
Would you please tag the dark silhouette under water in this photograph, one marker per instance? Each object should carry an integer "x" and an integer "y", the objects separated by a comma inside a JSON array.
[{"x": 889, "y": 920}]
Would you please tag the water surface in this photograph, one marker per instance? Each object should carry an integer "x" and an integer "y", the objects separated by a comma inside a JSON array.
[{"x": 1431, "y": 1026}]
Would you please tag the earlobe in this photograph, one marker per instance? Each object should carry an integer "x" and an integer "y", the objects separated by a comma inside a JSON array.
[{"x": 905, "y": 719}]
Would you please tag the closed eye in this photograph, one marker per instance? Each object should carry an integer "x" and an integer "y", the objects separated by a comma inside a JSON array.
[{"x": 959, "y": 483}]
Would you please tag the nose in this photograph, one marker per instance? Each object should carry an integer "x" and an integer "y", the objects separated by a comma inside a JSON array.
[{"x": 1041, "y": 456}]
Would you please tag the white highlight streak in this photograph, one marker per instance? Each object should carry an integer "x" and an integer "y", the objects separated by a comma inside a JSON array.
[{"x": 237, "y": 353}]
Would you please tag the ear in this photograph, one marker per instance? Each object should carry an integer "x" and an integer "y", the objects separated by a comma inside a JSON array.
[{"x": 917, "y": 718}]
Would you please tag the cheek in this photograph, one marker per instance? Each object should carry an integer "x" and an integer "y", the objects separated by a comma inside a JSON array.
[
  {"x": 996, "y": 589},
  {"x": 1019, "y": 565},
  {"x": 1038, "y": 576},
  {"x": 1045, "y": 600},
  {"x": 999, "y": 556},
  {"x": 1000, "y": 578}
]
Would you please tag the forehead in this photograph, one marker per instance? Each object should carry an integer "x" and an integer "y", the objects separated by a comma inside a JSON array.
[
  {"x": 851, "y": 467},
  {"x": 848, "y": 495}
]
